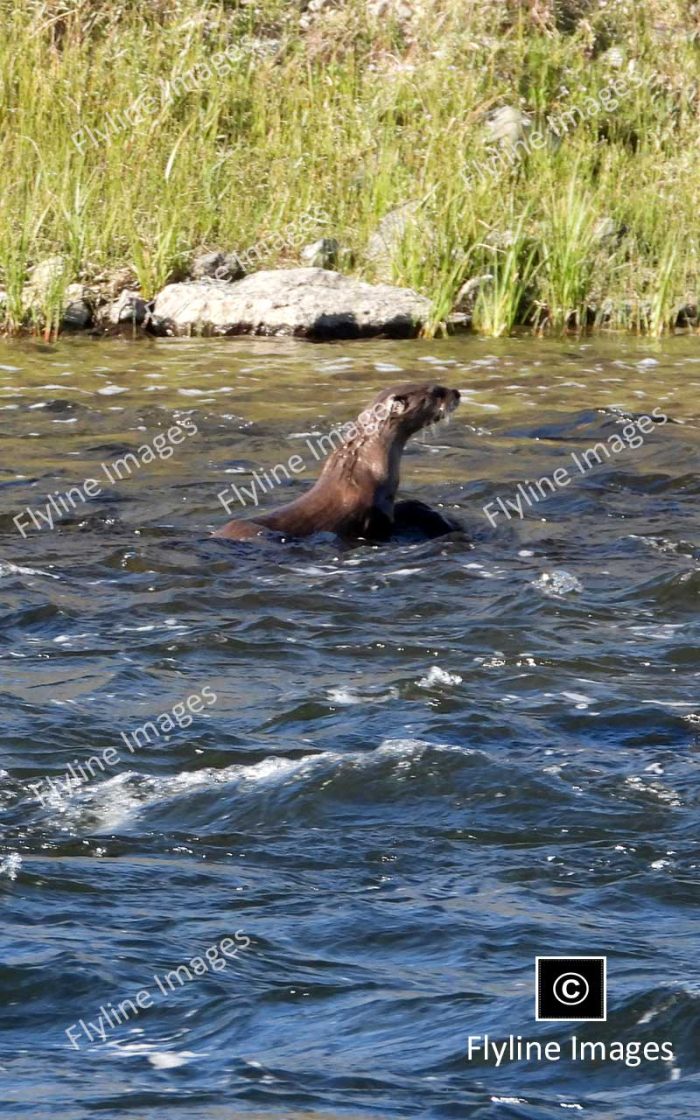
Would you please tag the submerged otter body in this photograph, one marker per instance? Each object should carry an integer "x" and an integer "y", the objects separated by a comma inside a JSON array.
[{"x": 355, "y": 494}]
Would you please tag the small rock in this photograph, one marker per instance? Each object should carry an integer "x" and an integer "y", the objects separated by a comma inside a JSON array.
[
  {"x": 500, "y": 238},
  {"x": 686, "y": 314},
  {"x": 507, "y": 126},
  {"x": 77, "y": 307},
  {"x": 466, "y": 296},
  {"x": 217, "y": 265},
  {"x": 322, "y": 253},
  {"x": 607, "y": 229},
  {"x": 46, "y": 275},
  {"x": 384, "y": 246},
  {"x": 614, "y": 57},
  {"x": 401, "y": 10},
  {"x": 313, "y": 8},
  {"x": 112, "y": 281},
  {"x": 130, "y": 307}
]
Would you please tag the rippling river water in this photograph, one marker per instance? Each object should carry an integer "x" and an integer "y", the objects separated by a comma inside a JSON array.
[{"x": 424, "y": 764}]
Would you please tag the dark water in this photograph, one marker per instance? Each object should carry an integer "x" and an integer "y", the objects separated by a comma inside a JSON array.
[{"x": 425, "y": 765}]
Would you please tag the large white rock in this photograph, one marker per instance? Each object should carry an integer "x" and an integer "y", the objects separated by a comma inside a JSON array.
[{"x": 306, "y": 302}]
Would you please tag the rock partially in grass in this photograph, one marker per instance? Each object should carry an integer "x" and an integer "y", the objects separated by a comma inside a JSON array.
[
  {"x": 607, "y": 230},
  {"x": 112, "y": 281},
  {"x": 313, "y": 8},
  {"x": 78, "y": 306},
  {"x": 303, "y": 302},
  {"x": 47, "y": 285},
  {"x": 507, "y": 126},
  {"x": 401, "y": 10},
  {"x": 385, "y": 244},
  {"x": 217, "y": 265},
  {"x": 466, "y": 296},
  {"x": 130, "y": 309},
  {"x": 46, "y": 280},
  {"x": 46, "y": 276},
  {"x": 322, "y": 253}
]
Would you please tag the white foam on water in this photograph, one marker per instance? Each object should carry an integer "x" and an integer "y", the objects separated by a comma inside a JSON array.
[
  {"x": 159, "y": 1059},
  {"x": 7, "y": 569},
  {"x": 170, "y": 1061},
  {"x": 120, "y": 799},
  {"x": 661, "y": 792},
  {"x": 436, "y": 675},
  {"x": 581, "y": 701},
  {"x": 672, "y": 704},
  {"x": 344, "y": 696},
  {"x": 10, "y": 865},
  {"x": 557, "y": 582}
]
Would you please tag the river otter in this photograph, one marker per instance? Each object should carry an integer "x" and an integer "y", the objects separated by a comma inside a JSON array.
[{"x": 355, "y": 494}]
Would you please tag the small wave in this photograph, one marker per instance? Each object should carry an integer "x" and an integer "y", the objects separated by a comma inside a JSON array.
[
  {"x": 436, "y": 675},
  {"x": 116, "y": 803},
  {"x": 10, "y": 865},
  {"x": 557, "y": 582},
  {"x": 9, "y": 569}
]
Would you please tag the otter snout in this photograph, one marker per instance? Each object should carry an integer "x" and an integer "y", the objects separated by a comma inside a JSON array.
[
  {"x": 445, "y": 401},
  {"x": 451, "y": 400}
]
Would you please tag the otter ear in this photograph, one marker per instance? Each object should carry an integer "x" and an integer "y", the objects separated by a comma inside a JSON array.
[{"x": 398, "y": 405}]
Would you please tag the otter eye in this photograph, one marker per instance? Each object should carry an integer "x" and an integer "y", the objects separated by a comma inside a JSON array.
[{"x": 398, "y": 405}]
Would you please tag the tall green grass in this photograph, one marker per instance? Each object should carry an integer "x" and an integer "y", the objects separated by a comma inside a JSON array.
[{"x": 357, "y": 115}]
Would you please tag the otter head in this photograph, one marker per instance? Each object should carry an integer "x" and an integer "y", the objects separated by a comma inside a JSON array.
[{"x": 402, "y": 410}]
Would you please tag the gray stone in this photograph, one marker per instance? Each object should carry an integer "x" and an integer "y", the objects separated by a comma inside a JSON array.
[
  {"x": 384, "y": 246},
  {"x": 78, "y": 302},
  {"x": 217, "y": 265},
  {"x": 466, "y": 296},
  {"x": 304, "y": 302},
  {"x": 312, "y": 9},
  {"x": 47, "y": 275},
  {"x": 109, "y": 283},
  {"x": 614, "y": 57},
  {"x": 322, "y": 253},
  {"x": 47, "y": 282},
  {"x": 400, "y": 10},
  {"x": 130, "y": 307},
  {"x": 500, "y": 238},
  {"x": 507, "y": 126},
  {"x": 607, "y": 229}
]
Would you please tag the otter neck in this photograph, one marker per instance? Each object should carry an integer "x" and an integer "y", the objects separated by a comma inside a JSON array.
[{"x": 371, "y": 461}]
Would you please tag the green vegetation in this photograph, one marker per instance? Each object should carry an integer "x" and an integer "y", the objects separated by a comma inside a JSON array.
[{"x": 123, "y": 143}]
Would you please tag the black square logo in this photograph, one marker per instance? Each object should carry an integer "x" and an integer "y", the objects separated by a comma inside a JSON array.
[{"x": 571, "y": 988}]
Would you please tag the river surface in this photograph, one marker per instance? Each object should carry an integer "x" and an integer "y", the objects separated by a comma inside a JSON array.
[{"x": 423, "y": 766}]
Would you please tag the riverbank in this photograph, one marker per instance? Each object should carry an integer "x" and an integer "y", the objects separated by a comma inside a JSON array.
[{"x": 524, "y": 165}]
